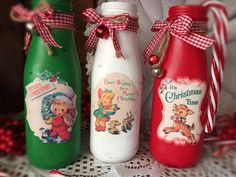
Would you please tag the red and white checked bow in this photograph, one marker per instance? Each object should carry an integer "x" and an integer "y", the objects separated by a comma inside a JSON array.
[
  {"x": 113, "y": 23},
  {"x": 180, "y": 27},
  {"x": 42, "y": 21}
]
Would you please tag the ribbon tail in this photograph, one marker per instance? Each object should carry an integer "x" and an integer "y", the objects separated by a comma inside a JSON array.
[
  {"x": 116, "y": 45},
  {"x": 196, "y": 40},
  {"x": 45, "y": 34},
  {"x": 119, "y": 54},
  {"x": 50, "y": 52},
  {"x": 27, "y": 42},
  {"x": 91, "y": 16},
  {"x": 153, "y": 44},
  {"x": 91, "y": 42}
]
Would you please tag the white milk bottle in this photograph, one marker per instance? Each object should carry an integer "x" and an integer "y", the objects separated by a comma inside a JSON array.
[{"x": 116, "y": 86}]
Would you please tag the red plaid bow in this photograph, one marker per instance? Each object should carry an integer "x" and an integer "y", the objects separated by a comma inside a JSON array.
[
  {"x": 180, "y": 27},
  {"x": 128, "y": 23},
  {"x": 42, "y": 20}
]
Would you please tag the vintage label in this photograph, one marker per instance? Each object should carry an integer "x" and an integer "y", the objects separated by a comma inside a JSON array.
[
  {"x": 51, "y": 108},
  {"x": 115, "y": 104},
  {"x": 181, "y": 113}
]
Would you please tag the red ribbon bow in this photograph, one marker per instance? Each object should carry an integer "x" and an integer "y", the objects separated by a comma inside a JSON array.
[
  {"x": 113, "y": 23},
  {"x": 180, "y": 27},
  {"x": 42, "y": 21}
]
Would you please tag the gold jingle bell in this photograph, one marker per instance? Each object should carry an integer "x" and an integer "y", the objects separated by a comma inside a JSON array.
[{"x": 158, "y": 72}]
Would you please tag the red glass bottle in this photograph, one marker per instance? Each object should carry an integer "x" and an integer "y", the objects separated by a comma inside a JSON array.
[{"x": 180, "y": 97}]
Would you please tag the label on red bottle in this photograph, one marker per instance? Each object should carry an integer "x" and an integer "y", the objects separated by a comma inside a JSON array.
[
  {"x": 182, "y": 100},
  {"x": 115, "y": 105},
  {"x": 51, "y": 108}
]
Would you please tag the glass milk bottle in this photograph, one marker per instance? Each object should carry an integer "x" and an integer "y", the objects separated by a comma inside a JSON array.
[
  {"x": 181, "y": 94},
  {"x": 116, "y": 93},
  {"x": 53, "y": 97}
]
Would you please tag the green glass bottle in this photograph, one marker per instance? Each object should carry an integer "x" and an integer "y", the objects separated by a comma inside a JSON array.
[{"x": 52, "y": 85}]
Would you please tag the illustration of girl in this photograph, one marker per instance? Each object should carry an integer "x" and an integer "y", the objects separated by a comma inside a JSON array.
[
  {"x": 59, "y": 112},
  {"x": 105, "y": 109}
]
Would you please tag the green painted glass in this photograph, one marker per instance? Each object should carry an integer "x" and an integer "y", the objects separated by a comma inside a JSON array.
[{"x": 65, "y": 63}]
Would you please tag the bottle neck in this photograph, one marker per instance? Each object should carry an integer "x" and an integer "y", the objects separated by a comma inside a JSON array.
[
  {"x": 111, "y": 12},
  {"x": 63, "y": 6},
  {"x": 196, "y": 12},
  {"x": 117, "y": 8},
  {"x": 58, "y": 5}
]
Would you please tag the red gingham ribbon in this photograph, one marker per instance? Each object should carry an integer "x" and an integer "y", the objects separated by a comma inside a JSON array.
[
  {"x": 91, "y": 16},
  {"x": 42, "y": 20},
  {"x": 180, "y": 27}
]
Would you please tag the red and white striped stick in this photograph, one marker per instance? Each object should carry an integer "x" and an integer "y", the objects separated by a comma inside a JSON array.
[
  {"x": 56, "y": 173},
  {"x": 220, "y": 29},
  {"x": 3, "y": 174}
]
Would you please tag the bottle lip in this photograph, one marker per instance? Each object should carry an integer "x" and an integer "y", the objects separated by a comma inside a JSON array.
[
  {"x": 124, "y": 6},
  {"x": 196, "y": 12},
  {"x": 59, "y": 5}
]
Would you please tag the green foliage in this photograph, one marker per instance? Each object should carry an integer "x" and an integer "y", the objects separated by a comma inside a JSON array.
[{"x": 47, "y": 75}]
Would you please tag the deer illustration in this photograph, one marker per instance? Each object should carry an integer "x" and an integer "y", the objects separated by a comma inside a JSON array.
[
  {"x": 127, "y": 122},
  {"x": 112, "y": 127},
  {"x": 181, "y": 111}
]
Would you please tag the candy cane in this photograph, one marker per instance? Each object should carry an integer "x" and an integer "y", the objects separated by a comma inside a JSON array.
[
  {"x": 56, "y": 173},
  {"x": 3, "y": 174},
  {"x": 220, "y": 29}
]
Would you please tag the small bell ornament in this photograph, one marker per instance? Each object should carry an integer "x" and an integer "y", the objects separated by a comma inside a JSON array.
[
  {"x": 102, "y": 32},
  {"x": 153, "y": 59},
  {"x": 158, "y": 72}
]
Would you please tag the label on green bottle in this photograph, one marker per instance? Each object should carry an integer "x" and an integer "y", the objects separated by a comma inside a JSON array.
[{"x": 51, "y": 108}]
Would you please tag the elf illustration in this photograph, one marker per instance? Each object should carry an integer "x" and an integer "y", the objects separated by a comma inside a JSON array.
[
  {"x": 181, "y": 111},
  {"x": 105, "y": 109},
  {"x": 59, "y": 112}
]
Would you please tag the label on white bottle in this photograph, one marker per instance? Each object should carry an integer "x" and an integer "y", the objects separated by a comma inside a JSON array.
[
  {"x": 115, "y": 105},
  {"x": 182, "y": 101},
  {"x": 51, "y": 108}
]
